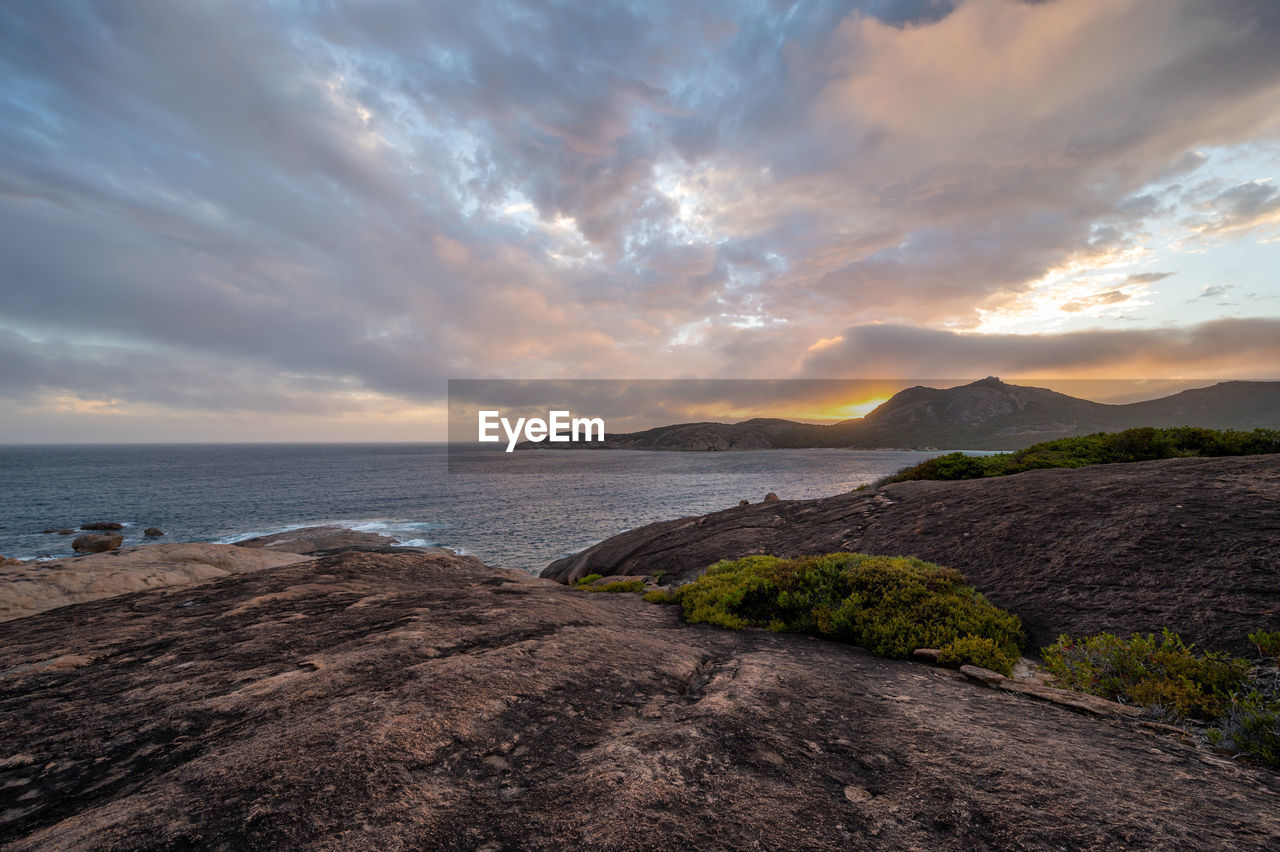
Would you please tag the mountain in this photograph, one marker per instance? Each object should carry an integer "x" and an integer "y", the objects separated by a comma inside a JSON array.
[{"x": 985, "y": 415}]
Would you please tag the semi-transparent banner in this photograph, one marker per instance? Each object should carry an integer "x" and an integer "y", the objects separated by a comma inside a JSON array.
[{"x": 571, "y": 426}]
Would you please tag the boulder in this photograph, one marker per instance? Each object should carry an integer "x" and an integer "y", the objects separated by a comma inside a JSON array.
[
  {"x": 102, "y": 526},
  {"x": 771, "y": 498},
  {"x": 57, "y": 531},
  {"x": 153, "y": 532},
  {"x": 744, "y": 502},
  {"x": 316, "y": 540},
  {"x": 95, "y": 543}
]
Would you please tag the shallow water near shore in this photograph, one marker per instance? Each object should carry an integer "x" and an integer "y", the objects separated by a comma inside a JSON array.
[{"x": 559, "y": 503}]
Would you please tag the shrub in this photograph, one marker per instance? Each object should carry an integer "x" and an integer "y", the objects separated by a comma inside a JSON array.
[
  {"x": 617, "y": 586},
  {"x": 977, "y": 651},
  {"x": 658, "y": 575},
  {"x": 1140, "y": 444},
  {"x": 1148, "y": 670},
  {"x": 662, "y": 596},
  {"x": 888, "y": 605},
  {"x": 1251, "y": 725},
  {"x": 1268, "y": 644},
  {"x": 588, "y": 580}
]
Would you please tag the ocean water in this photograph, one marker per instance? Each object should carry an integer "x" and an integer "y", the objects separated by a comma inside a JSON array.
[{"x": 536, "y": 507}]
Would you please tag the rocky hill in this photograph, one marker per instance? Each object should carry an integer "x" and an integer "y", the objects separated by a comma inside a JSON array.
[
  {"x": 415, "y": 701},
  {"x": 984, "y": 415},
  {"x": 1188, "y": 544}
]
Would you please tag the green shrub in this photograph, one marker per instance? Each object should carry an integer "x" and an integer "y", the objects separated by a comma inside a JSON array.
[
  {"x": 658, "y": 575},
  {"x": 617, "y": 586},
  {"x": 1140, "y": 444},
  {"x": 662, "y": 596},
  {"x": 1268, "y": 644},
  {"x": 977, "y": 651},
  {"x": 888, "y": 605},
  {"x": 1148, "y": 670},
  {"x": 1251, "y": 725},
  {"x": 588, "y": 580}
]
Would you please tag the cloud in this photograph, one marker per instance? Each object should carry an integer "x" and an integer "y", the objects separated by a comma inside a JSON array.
[
  {"x": 1215, "y": 291},
  {"x": 1213, "y": 349},
  {"x": 1239, "y": 210},
  {"x": 301, "y": 205}
]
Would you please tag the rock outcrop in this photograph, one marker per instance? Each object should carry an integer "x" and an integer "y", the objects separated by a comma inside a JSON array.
[
  {"x": 317, "y": 540},
  {"x": 372, "y": 701},
  {"x": 27, "y": 588},
  {"x": 153, "y": 532},
  {"x": 1188, "y": 544},
  {"x": 102, "y": 526},
  {"x": 96, "y": 543}
]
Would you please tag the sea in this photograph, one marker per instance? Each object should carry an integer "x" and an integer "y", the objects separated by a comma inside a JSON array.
[{"x": 522, "y": 510}]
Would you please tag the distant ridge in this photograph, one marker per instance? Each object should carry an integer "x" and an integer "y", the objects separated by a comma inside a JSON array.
[{"x": 984, "y": 415}]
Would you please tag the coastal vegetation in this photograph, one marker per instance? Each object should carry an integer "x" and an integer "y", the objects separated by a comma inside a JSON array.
[
  {"x": 1238, "y": 700},
  {"x": 977, "y": 651},
  {"x": 1153, "y": 671},
  {"x": 1129, "y": 445},
  {"x": 589, "y": 584},
  {"x": 890, "y": 605}
]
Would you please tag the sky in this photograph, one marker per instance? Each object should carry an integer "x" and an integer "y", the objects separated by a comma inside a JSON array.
[{"x": 296, "y": 221}]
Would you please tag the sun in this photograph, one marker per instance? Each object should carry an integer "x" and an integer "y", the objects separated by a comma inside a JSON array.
[{"x": 865, "y": 407}]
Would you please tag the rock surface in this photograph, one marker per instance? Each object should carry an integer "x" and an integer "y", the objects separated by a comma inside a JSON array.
[
  {"x": 1188, "y": 544},
  {"x": 102, "y": 526},
  {"x": 315, "y": 540},
  {"x": 153, "y": 532},
  {"x": 368, "y": 701},
  {"x": 96, "y": 543},
  {"x": 31, "y": 587}
]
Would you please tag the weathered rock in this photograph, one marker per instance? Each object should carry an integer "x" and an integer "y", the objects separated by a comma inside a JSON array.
[
  {"x": 153, "y": 532},
  {"x": 770, "y": 498},
  {"x": 101, "y": 526},
  {"x": 982, "y": 675},
  {"x": 1062, "y": 697},
  {"x": 6, "y": 561},
  {"x": 57, "y": 531},
  {"x": 317, "y": 540},
  {"x": 407, "y": 702},
  {"x": 927, "y": 655},
  {"x": 1187, "y": 544},
  {"x": 33, "y": 587},
  {"x": 96, "y": 543},
  {"x": 744, "y": 502}
]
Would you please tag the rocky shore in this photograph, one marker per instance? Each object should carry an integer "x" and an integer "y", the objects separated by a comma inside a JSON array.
[
  {"x": 35, "y": 586},
  {"x": 357, "y": 696}
]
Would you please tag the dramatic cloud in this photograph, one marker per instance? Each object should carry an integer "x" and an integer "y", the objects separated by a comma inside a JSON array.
[
  {"x": 325, "y": 210},
  {"x": 1207, "y": 350}
]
